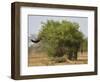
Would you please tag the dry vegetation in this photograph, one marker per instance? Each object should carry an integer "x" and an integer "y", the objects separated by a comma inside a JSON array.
[{"x": 37, "y": 58}]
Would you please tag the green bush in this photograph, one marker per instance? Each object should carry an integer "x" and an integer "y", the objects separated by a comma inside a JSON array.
[{"x": 61, "y": 37}]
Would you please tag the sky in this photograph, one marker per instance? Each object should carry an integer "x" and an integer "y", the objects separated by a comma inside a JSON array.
[{"x": 34, "y": 23}]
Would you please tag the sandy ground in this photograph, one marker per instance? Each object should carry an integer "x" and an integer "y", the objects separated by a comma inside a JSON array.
[{"x": 42, "y": 59}]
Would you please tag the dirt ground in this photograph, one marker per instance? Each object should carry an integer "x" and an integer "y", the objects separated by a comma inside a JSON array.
[{"x": 42, "y": 59}]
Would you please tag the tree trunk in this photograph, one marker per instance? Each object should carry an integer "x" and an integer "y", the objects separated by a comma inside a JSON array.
[{"x": 72, "y": 56}]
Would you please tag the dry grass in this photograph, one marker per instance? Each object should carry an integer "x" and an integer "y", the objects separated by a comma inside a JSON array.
[{"x": 36, "y": 58}]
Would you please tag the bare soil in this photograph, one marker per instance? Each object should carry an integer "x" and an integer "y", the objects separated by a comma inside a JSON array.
[{"x": 42, "y": 59}]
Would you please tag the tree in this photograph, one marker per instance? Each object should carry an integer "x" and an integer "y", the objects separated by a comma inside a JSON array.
[
  {"x": 84, "y": 45},
  {"x": 60, "y": 38}
]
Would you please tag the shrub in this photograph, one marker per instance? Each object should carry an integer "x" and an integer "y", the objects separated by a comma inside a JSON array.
[{"x": 60, "y": 37}]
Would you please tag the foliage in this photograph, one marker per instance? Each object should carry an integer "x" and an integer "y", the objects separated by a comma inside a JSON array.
[
  {"x": 61, "y": 37},
  {"x": 84, "y": 45}
]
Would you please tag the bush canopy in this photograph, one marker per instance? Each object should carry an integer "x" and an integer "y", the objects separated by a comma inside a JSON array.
[{"x": 61, "y": 38}]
